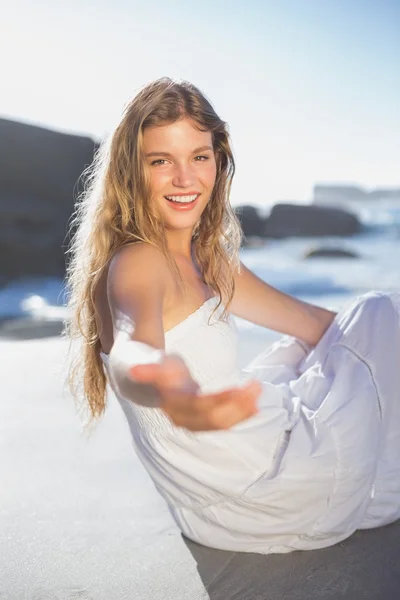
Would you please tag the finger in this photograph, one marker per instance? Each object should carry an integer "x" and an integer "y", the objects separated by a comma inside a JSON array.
[
  {"x": 248, "y": 392},
  {"x": 145, "y": 373},
  {"x": 214, "y": 412},
  {"x": 224, "y": 417},
  {"x": 170, "y": 373},
  {"x": 173, "y": 375},
  {"x": 243, "y": 401}
]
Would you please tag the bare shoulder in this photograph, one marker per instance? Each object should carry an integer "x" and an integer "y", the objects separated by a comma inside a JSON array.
[
  {"x": 137, "y": 263},
  {"x": 136, "y": 284}
]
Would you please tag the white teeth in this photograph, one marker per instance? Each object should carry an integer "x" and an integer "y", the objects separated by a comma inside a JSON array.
[{"x": 182, "y": 198}]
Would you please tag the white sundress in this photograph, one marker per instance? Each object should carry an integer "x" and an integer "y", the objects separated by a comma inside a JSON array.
[{"x": 319, "y": 460}]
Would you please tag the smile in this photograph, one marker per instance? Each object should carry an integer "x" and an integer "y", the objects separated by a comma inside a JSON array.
[{"x": 183, "y": 199}]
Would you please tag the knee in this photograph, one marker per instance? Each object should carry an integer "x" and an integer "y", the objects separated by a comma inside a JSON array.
[
  {"x": 367, "y": 311},
  {"x": 375, "y": 301}
]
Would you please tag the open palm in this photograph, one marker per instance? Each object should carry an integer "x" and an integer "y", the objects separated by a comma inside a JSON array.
[{"x": 182, "y": 401}]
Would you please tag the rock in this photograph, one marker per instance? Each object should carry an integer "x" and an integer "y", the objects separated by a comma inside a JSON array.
[
  {"x": 39, "y": 172},
  {"x": 28, "y": 328},
  {"x": 253, "y": 224},
  {"x": 287, "y": 220},
  {"x": 330, "y": 253}
]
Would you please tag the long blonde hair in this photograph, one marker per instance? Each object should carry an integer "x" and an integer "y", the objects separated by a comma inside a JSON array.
[{"x": 114, "y": 210}]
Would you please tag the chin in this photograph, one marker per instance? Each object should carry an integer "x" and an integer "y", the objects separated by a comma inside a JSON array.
[
  {"x": 179, "y": 224},
  {"x": 182, "y": 220}
]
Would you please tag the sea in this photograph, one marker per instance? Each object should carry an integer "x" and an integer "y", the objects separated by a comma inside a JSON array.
[{"x": 326, "y": 282}]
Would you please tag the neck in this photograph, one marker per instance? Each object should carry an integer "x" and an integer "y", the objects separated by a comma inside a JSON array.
[{"x": 180, "y": 243}]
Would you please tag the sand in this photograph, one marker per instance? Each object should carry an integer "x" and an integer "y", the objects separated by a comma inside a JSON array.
[{"x": 80, "y": 518}]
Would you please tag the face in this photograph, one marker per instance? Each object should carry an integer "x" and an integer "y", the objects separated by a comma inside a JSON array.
[{"x": 181, "y": 164}]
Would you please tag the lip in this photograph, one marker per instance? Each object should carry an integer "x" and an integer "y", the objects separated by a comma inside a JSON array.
[
  {"x": 184, "y": 194},
  {"x": 184, "y": 206}
]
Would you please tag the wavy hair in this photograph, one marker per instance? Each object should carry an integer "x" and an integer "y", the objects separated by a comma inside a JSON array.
[{"x": 114, "y": 210}]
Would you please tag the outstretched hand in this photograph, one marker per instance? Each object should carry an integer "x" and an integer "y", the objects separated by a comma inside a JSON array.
[{"x": 186, "y": 407}]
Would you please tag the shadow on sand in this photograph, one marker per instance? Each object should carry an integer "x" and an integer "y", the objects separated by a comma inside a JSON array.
[{"x": 364, "y": 567}]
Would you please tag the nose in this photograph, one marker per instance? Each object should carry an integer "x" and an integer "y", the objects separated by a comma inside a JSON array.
[{"x": 183, "y": 176}]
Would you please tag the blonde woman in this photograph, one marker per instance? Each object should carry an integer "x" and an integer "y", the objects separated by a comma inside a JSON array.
[{"x": 296, "y": 451}]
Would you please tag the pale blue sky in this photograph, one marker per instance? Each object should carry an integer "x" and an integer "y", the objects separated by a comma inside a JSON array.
[{"x": 310, "y": 88}]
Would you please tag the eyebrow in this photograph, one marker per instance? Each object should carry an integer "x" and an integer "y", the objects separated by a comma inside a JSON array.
[{"x": 195, "y": 151}]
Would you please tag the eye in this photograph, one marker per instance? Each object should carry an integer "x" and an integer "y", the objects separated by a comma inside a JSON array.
[
  {"x": 201, "y": 158},
  {"x": 159, "y": 161}
]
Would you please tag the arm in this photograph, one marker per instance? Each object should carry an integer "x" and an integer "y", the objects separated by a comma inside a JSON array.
[
  {"x": 135, "y": 288},
  {"x": 139, "y": 367},
  {"x": 260, "y": 303}
]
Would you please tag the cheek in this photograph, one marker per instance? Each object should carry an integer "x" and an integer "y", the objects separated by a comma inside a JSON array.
[
  {"x": 211, "y": 173},
  {"x": 157, "y": 180}
]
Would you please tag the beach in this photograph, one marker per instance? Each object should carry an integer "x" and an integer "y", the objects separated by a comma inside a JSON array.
[
  {"x": 115, "y": 127},
  {"x": 79, "y": 516},
  {"x": 81, "y": 519}
]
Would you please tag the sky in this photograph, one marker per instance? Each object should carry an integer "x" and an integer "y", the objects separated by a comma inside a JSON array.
[{"x": 310, "y": 89}]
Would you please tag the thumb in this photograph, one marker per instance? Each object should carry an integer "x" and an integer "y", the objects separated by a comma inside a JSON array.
[{"x": 144, "y": 373}]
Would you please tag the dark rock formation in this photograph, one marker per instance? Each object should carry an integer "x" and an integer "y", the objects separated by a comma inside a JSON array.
[
  {"x": 253, "y": 224},
  {"x": 39, "y": 172},
  {"x": 330, "y": 253},
  {"x": 287, "y": 220}
]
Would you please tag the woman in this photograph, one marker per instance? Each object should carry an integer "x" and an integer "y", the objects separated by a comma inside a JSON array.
[{"x": 296, "y": 451}]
